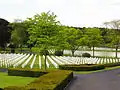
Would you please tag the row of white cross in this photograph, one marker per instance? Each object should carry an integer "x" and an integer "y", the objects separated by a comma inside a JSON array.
[{"x": 22, "y": 60}]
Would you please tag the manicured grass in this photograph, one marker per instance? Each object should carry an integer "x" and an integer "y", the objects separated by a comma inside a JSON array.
[{"x": 6, "y": 80}]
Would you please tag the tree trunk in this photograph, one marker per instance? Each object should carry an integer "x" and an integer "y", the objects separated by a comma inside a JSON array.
[
  {"x": 45, "y": 62},
  {"x": 73, "y": 52},
  {"x": 12, "y": 50},
  {"x": 30, "y": 49},
  {"x": 4, "y": 49},
  {"x": 116, "y": 52},
  {"x": 93, "y": 51}
]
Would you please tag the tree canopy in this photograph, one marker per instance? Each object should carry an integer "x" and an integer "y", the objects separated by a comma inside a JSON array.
[
  {"x": 19, "y": 35},
  {"x": 5, "y": 33},
  {"x": 93, "y": 37},
  {"x": 43, "y": 31}
]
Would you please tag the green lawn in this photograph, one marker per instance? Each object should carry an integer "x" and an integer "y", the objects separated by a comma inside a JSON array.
[{"x": 6, "y": 80}]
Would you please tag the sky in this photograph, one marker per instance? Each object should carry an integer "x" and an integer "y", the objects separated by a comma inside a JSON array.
[{"x": 78, "y": 13}]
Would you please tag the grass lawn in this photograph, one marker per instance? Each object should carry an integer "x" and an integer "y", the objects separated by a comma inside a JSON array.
[{"x": 6, "y": 80}]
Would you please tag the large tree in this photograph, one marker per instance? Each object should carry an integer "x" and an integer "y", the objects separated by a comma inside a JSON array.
[
  {"x": 61, "y": 40},
  {"x": 5, "y": 33},
  {"x": 43, "y": 30},
  {"x": 114, "y": 35},
  {"x": 19, "y": 35},
  {"x": 92, "y": 37},
  {"x": 73, "y": 37}
]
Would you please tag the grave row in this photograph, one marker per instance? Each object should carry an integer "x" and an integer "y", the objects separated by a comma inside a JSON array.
[{"x": 22, "y": 60}]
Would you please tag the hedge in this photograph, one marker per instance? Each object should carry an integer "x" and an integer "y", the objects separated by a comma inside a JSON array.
[
  {"x": 86, "y": 55},
  {"x": 86, "y": 67},
  {"x": 58, "y": 53},
  {"x": 53, "y": 80},
  {"x": 25, "y": 72},
  {"x": 1, "y": 89},
  {"x": 112, "y": 64}
]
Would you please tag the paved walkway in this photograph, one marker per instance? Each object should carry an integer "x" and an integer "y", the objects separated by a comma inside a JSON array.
[
  {"x": 106, "y": 80},
  {"x": 3, "y": 70}
]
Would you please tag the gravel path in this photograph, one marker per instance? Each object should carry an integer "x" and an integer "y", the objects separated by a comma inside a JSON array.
[{"x": 106, "y": 80}]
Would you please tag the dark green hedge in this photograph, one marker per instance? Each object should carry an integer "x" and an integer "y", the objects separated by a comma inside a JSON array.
[
  {"x": 1, "y": 88},
  {"x": 112, "y": 64},
  {"x": 87, "y": 67},
  {"x": 25, "y": 72},
  {"x": 58, "y": 53},
  {"x": 86, "y": 55},
  {"x": 53, "y": 80},
  {"x": 14, "y": 88}
]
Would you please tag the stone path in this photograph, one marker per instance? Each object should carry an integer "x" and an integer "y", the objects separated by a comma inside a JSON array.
[{"x": 106, "y": 80}]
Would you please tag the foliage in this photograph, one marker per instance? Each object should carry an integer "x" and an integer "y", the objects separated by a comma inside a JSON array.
[
  {"x": 5, "y": 33},
  {"x": 105, "y": 35},
  {"x": 43, "y": 30},
  {"x": 58, "y": 53},
  {"x": 25, "y": 72},
  {"x": 112, "y": 64},
  {"x": 44, "y": 52},
  {"x": 19, "y": 35},
  {"x": 86, "y": 55},
  {"x": 114, "y": 35},
  {"x": 115, "y": 38},
  {"x": 92, "y": 38},
  {"x": 61, "y": 40},
  {"x": 73, "y": 37},
  {"x": 85, "y": 67},
  {"x": 54, "y": 80}
]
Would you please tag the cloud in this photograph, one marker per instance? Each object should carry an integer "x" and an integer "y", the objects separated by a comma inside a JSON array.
[
  {"x": 116, "y": 4},
  {"x": 12, "y": 1},
  {"x": 69, "y": 12}
]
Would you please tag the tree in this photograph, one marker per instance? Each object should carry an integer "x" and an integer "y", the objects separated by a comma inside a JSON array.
[
  {"x": 105, "y": 35},
  {"x": 5, "y": 33},
  {"x": 92, "y": 37},
  {"x": 19, "y": 35},
  {"x": 73, "y": 37},
  {"x": 43, "y": 30},
  {"x": 114, "y": 35},
  {"x": 61, "y": 40}
]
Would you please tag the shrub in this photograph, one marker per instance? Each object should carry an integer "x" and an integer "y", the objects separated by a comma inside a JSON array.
[
  {"x": 1, "y": 88},
  {"x": 58, "y": 53},
  {"x": 14, "y": 88},
  {"x": 81, "y": 67},
  {"x": 112, "y": 64},
  {"x": 25, "y": 72},
  {"x": 44, "y": 52},
  {"x": 54, "y": 80},
  {"x": 86, "y": 55}
]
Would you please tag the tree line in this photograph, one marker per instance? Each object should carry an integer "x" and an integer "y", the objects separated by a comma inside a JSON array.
[{"x": 46, "y": 32}]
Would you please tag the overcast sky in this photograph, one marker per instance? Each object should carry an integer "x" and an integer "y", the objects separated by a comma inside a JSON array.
[{"x": 80, "y": 13}]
